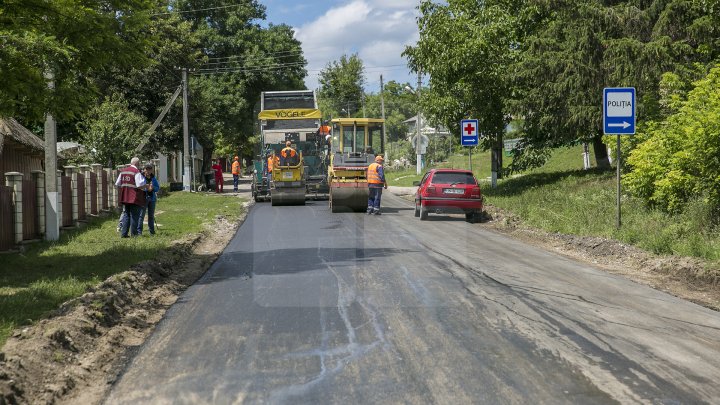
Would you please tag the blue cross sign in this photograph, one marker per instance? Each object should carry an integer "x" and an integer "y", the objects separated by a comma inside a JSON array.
[
  {"x": 619, "y": 110},
  {"x": 469, "y": 133}
]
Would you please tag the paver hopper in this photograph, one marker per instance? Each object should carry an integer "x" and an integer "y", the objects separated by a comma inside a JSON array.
[{"x": 355, "y": 143}]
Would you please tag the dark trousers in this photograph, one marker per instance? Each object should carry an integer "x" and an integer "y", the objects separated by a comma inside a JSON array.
[
  {"x": 149, "y": 208},
  {"x": 236, "y": 178},
  {"x": 129, "y": 222},
  {"x": 375, "y": 194}
]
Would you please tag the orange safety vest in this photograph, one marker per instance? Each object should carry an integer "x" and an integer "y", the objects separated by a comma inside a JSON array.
[
  {"x": 373, "y": 177},
  {"x": 288, "y": 151},
  {"x": 271, "y": 162},
  {"x": 129, "y": 193},
  {"x": 324, "y": 130},
  {"x": 236, "y": 167}
]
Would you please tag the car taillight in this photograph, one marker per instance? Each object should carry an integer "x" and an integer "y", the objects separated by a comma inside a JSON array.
[
  {"x": 431, "y": 190},
  {"x": 475, "y": 192}
]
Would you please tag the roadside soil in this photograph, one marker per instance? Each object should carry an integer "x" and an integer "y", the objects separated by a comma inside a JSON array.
[
  {"x": 77, "y": 353},
  {"x": 692, "y": 279}
]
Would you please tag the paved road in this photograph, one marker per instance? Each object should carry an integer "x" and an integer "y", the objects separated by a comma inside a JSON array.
[{"x": 306, "y": 306}]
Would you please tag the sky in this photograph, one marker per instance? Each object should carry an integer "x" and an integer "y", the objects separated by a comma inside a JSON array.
[{"x": 377, "y": 30}]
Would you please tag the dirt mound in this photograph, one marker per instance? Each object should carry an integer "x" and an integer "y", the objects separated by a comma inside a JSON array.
[{"x": 77, "y": 353}]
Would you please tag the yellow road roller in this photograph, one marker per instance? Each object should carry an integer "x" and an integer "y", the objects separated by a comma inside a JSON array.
[
  {"x": 355, "y": 143},
  {"x": 288, "y": 183}
]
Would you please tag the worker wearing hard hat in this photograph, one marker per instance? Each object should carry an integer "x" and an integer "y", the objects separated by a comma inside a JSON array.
[
  {"x": 376, "y": 183},
  {"x": 236, "y": 172},
  {"x": 272, "y": 162},
  {"x": 287, "y": 155}
]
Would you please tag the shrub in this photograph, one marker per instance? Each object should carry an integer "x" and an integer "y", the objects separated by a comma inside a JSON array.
[{"x": 680, "y": 158}]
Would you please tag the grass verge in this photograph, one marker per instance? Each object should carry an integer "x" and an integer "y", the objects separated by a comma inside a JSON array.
[
  {"x": 45, "y": 275},
  {"x": 561, "y": 197}
]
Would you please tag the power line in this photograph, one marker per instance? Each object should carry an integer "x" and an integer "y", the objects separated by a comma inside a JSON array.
[
  {"x": 198, "y": 9},
  {"x": 279, "y": 53}
]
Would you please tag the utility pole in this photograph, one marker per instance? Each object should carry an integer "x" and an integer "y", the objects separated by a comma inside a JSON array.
[
  {"x": 419, "y": 124},
  {"x": 52, "y": 216},
  {"x": 186, "y": 133},
  {"x": 363, "y": 104},
  {"x": 382, "y": 110}
]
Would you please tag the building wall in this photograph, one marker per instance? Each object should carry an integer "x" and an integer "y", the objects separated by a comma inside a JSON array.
[{"x": 19, "y": 158}]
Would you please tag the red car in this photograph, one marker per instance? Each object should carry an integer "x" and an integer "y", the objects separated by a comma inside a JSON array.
[{"x": 448, "y": 191}]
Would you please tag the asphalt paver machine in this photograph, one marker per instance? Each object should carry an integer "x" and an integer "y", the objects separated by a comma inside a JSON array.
[
  {"x": 355, "y": 143},
  {"x": 291, "y": 116}
]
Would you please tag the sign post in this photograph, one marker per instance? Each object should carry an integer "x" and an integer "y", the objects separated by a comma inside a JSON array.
[
  {"x": 619, "y": 112},
  {"x": 469, "y": 136}
]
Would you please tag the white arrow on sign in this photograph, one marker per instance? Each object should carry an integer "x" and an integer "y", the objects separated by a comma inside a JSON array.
[{"x": 624, "y": 125}]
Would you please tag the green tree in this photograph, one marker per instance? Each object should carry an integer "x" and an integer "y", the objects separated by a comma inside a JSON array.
[
  {"x": 112, "y": 131},
  {"x": 72, "y": 39},
  {"x": 342, "y": 84},
  {"x": 466, "y": 48},
  {"x": 241, "y": 59},
  {"x": 400, "y": 105},
  {"x": 571, "y": 49}
]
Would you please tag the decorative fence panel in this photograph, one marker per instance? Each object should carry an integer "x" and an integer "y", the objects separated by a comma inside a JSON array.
[
  {"x": 7, "y": 240},
  {"x": 30, "y": 214},
  {"x": 67, "y": 206},
  {"x": 81, "y": 197},
  {"x": 93, "y": 194}
]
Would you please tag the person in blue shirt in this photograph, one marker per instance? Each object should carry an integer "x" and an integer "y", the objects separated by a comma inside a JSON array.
[{"x": 150, "y": 198}]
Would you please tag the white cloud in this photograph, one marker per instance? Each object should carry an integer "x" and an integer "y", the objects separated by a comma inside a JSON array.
[{"x": 377, "y": 30}]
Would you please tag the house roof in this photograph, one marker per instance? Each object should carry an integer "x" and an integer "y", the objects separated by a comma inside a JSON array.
[{"x": 11, "y": 128}]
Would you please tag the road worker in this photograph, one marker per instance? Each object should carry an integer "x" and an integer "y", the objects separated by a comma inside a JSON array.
[
  {"x": 376, "y": 183},
  {"x": 272, "y": 162},
  {"x": 288, "y": 155},
  {"x": 236, "y": 172}
]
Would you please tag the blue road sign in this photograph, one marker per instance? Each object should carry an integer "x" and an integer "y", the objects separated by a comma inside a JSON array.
[
  {"x": 469, "y": 133},
  {"x": 619, "y": 110}
]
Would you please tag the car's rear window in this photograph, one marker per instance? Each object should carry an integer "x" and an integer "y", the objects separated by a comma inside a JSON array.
[{"x": 450, "y": 178}]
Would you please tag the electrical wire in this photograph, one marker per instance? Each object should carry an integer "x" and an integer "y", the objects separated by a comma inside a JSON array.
[{"x": 198, "y": 9}]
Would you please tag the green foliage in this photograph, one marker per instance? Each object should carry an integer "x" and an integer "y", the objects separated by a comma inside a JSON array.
[
  {"x": 341, "y": 87},
  {"x": 400, "y": 105},
  {"x": 680, "y": 158},
  {"x": 466, "y": 48},
  {"x": 113, "y": 131},
  {"x": 72, "y": 39}
]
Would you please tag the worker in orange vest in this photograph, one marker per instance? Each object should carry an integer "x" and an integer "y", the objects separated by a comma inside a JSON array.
[
  {"x": 236, "y": 172},
  {"x": 288, "y": 155},
  {"x": 376, "y": 183},
  {"x": 272, "y": 161}
]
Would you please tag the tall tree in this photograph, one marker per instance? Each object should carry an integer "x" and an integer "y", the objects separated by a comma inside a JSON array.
[
  {"x": 71, "y": 39},
  {"x": 466, "y": 48},
  {"x": 399, "y": 106},
  {"x": 342, "y": 84},
  {"x": 241, "y": 59}
]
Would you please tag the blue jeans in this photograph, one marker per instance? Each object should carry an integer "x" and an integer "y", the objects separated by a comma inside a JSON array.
[
  {"x": 130, "y": 220},
  {"x": 375, "y": 194},
  {"x": 150, "y": 209},
  {"x": 236, "y": 178}
]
